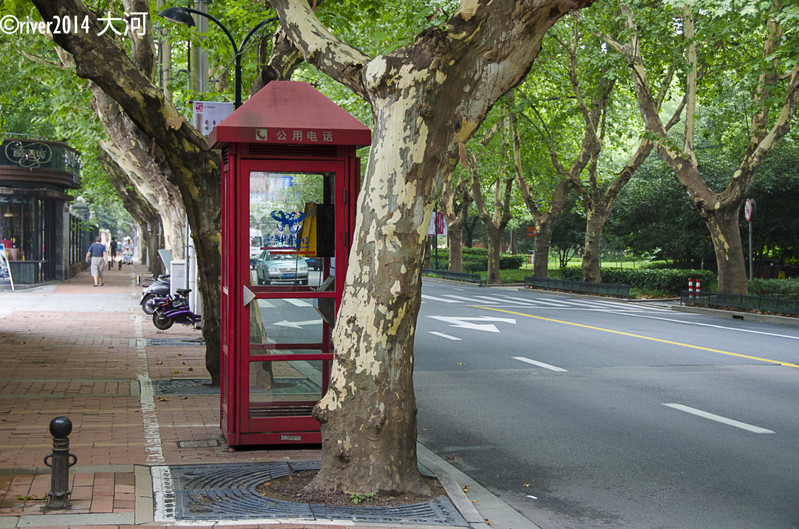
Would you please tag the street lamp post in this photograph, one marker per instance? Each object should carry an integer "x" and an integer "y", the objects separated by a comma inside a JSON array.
[{"x": 182, "y": 15}]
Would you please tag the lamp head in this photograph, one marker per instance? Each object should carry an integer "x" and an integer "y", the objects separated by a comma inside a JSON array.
[{"x": 179, "y": 15}]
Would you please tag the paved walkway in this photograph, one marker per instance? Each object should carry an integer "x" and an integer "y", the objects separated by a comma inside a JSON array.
[
  {"x": 88, "y": 353},
  {"x": 82, "y": 351}
]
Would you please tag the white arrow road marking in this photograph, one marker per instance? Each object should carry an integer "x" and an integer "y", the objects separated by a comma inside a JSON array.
[
  {"x": 718, "y": 418},
  {"x": 541, "y": 364},
  {"x": 297, "y": 324},
  {"x": 464, "y": 323}
]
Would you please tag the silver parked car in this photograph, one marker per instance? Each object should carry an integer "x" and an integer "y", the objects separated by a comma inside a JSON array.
[{"x": 273, "y": 267}]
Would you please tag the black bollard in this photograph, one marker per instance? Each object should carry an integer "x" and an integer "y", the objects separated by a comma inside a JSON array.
[{"x": 60, "y": 461}]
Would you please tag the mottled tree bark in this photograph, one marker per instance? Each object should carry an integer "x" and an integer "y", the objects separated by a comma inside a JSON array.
[
  {"x": 138, "y": 158},
  {"x": 426, "y": 99}
]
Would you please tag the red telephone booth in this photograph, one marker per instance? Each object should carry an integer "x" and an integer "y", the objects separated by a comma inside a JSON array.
[{"x": 290, "y": 179}]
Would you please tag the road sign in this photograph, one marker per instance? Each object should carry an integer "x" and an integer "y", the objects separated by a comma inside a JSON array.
[{"x": 749, "y": 209}]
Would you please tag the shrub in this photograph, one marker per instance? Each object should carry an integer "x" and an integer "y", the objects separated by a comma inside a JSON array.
[
  {"x": 479, "y": 263},
  {"x": 511, "y": 262},
  {"x": 668, "y": 280},
  {"x": 475, "y": 265},
  {"x": 774, "y": 288}
]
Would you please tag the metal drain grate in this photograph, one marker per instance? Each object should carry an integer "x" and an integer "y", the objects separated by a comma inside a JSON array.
[
  {"x": 202, "y": 386},
  {"x": 174, "y": 342},
  {"x": 184, "y": 386},
  {"x": 227, "y": 492}
]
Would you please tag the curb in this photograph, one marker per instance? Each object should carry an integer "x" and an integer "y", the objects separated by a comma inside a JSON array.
[
  {"x": 493, "y": 512},
  {"x": 738, "y": 315}
]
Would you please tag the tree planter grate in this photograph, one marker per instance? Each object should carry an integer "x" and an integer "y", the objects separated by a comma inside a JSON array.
[
  {"x": 184, "y": 386},
  {"x": 224, "y": 492}
]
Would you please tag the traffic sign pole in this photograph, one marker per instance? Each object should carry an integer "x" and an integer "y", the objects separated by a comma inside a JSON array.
[{"x": 749, "y": 213}]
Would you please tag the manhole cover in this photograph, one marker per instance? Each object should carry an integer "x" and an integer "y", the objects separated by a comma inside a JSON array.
[
  {"x": 228, "y": 492},
  {"x": 184, "y": 386}
]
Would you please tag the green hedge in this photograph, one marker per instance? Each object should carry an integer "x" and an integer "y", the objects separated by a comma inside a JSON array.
[
  {"x": 671, "y": 281},
  {"x": 774, "y": 288},
  {"x": 476, "y": 260},
  {"x": 479, "y": 263}
]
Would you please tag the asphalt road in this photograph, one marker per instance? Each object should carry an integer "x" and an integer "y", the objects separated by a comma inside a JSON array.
[{"x": 584, "y": 413}]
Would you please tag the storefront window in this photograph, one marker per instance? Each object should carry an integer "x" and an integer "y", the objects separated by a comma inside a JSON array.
[{"x": 20, "y": 227}]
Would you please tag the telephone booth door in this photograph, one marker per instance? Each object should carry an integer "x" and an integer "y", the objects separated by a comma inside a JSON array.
[
  {"x": 292, "y": 224},
  {"x": 285, "y": 330}
]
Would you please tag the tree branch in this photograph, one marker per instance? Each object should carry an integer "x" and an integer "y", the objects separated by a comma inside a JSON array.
[{"x": 321, "y": 48}]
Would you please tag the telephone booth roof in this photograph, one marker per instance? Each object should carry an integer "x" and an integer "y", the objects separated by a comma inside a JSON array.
[{"x": 290, "y": 113}]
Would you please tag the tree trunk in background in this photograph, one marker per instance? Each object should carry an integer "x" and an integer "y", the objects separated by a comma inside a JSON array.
[
  {"x": 543, "y": 242},
  {"x": 456, "y": 216},
  {"x": 494, "y": 221},
  {"x": 134, "y": 153},
  {"x": 726, "y": 236},
  {"x": 139, "y": 208},
  {"x": 469, "y": 229},
  {"x": 596, "y": 217}
]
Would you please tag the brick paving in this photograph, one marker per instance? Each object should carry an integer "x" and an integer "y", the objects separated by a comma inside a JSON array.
[{"x": 80, "y": 351}]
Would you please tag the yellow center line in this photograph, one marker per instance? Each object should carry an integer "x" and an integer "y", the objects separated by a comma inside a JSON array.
[{"x": 622, "y": 333}]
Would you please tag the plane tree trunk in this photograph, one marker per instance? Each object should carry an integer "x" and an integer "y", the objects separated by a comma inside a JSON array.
[
  {"x": 496, "y": 220},
  {"x": 544, "y": 218},
  {"x": 456, "y": 214},
  {"x": 426, "y": 99}
]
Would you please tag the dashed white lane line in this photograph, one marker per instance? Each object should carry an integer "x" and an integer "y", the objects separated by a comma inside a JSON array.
[
  {"x": 541, "y": 364},
  {"x": 718, "y": 418},
  {"x": 447, "y": 336},
  {"x": 425, "y": 297}
]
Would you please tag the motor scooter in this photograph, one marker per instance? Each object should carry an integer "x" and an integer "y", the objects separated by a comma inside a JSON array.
[
  {"x": 175, "y": 311},
  {"x": 157, "y": 289}
]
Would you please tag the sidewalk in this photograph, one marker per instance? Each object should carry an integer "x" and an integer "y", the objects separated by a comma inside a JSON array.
[{"x": 85, "y": 352}]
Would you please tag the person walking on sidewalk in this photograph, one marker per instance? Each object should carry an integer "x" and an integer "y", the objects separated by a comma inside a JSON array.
[
  {"x": 113, "y": 252},
  {"x": 96, "y": 257}
]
